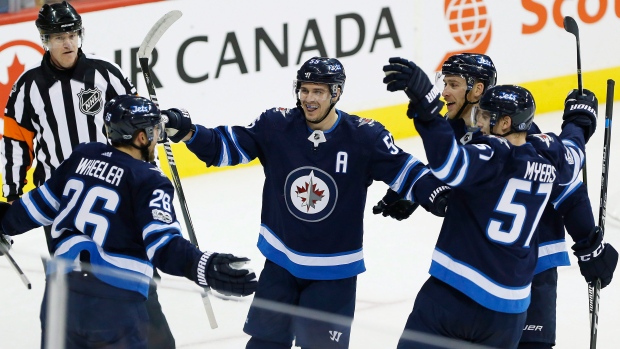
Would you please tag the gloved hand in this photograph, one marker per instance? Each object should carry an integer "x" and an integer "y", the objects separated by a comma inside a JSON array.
[
  {"x": 405, "y": 75},
  {"x": 179, "y": 123},
  {"x": 223, "y": 273},
  {"x": 439, "y": 200},
  {"x": 5, "y": 241},
  {"x": 581, "y": 110},
  {"x": 597, "y": 259},
  {"x": 394, "y": 206}
]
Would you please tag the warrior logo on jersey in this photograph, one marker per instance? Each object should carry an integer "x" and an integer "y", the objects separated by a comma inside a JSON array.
[
  {"x": 310, "y": 194},
  {"x": 544, "y": 138},
  {"x": 91, "y": 102}
]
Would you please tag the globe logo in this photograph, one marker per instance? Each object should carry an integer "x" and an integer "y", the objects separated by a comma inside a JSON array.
[
  {"x": 469, "y": 25},
  {"x": 468, "y": 22}
]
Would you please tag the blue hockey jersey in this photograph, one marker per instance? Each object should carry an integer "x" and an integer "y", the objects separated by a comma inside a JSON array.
[
  {"x": 487, "y": 247},
  {"x": 112, "y": 211},
  {"x": 552, "y": 248},
  {"x": 315, "y": 184}
]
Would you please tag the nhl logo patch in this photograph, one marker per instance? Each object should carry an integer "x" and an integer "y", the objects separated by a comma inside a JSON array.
[{"x": 90, "y": 101}]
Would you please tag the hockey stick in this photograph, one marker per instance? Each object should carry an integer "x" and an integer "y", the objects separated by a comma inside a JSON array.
[
  {"x": 571, "y": 26},
  {"x": 4, "y": 250},
  {"x": 144, "y": 52},
  {"x": 595, "y": 290}
]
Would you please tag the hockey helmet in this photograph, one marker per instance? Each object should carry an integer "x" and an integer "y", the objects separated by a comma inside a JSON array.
[
  {"x": 472, "y": 67},
  {"x": 509, "y": 100},
  {"x": 322, "y": 70},
  {"x": 126, "y": 114},
  {"x": 58, "y": 18}
]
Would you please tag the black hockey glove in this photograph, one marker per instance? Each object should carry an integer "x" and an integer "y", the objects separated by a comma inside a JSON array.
[
  {"x": 222, "y": 272},
  {"x": 597, "y": 259},
  {"x": 439, "y": 200},
  {"x": 581, "y": 110},
  {"x": 5, "y": 240},
  {"x": 179, "y": 123},
  {"x": 404, "y": 75},
  {"x": 391, "y": 205}
]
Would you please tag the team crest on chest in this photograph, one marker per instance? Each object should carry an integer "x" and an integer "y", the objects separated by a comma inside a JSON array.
[
  {"x": 90, "y": 101},
  {"x": 310, "y": 194}
]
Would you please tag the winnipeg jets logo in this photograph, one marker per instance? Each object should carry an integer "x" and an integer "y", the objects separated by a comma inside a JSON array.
[
  {"x": 158, "y": 170},
  {"x": 310, "y": 194},
  {"x": 501, "y": 140},
  {"x": 544, "y": 138},
  {"x": 90, "y": 101},
  {"x": 282, "y": 111},
  {"x": 365, "y": 121}
]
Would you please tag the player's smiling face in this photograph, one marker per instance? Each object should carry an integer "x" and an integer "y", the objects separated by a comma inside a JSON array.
[
  {"x": 63, "y": 49},
  {"x": 315, "y": 100},
  {"x": 453, "y": 93}
]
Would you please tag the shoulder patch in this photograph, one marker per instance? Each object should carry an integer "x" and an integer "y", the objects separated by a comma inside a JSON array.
[
  {"x": 544, "y": 138},
  {"x": 365, "y": 121},
  {"x": 501, "y": 140},
  {"x": 283, "y": 111},
  {"x": 157, "y": 169}
]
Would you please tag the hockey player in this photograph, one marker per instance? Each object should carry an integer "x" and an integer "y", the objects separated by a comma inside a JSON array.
[
  {"x": 318, "y": 163},
  {"x": 57, "y": 105},
  {"x": 477, "y": 72},
  {"x": 500, "y": 187},
  {"x": 113, "y": 220}
]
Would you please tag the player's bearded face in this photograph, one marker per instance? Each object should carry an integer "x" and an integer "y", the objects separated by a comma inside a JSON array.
[
  {"x": 315, "y": 100},
  {"x": 63, "y": 49},
  {"x": 453, "y": 93}
]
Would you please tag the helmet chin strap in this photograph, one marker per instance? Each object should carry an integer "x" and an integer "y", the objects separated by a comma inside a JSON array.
[{"x": 465, "y": 104}]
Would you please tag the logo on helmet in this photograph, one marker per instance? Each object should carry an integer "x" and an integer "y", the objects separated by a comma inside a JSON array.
[
  {"x": 139, "y": 109},
  {"x": 90, "y": 101},
  {"x": 507, "y": 96}
]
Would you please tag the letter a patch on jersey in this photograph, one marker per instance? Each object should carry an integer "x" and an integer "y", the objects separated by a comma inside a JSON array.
[
  {"x": 310, "y": 193},
  {"x": 90, "y": 101}
]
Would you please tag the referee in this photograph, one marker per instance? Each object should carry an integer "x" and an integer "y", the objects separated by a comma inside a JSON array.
[{"x": 56, "y": 106}]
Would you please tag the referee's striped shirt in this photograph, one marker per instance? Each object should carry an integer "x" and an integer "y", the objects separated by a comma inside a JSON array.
[{"x": 50, "y": 111}]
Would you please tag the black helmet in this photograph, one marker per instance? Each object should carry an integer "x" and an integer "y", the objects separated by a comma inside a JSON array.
[
  {"x": 322, "y": 70},
  {"x": 126, "y": 114},
  {"x": 509, "y": 100},
  {"x": 472, "y": 67},
  {"x": 58, "y": 18}
]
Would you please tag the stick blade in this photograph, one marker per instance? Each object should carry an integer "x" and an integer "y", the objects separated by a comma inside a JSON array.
[
  {"x": 570, "y": 25},
  {"x": 158, "y": 29}
]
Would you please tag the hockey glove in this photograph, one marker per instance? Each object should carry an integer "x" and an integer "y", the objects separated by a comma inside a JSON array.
[
  {"x": 220, "y": 272},
  {"x": 439, "y": 200},
  {"x": 179, "y": 124},
  {"x": 391, "y": 205},
  {"x": 597, "y": 259},
  {"x": 582, "y": 111},
  {"x": 404, "y": 75},
  {"x": 5, "y": 243}
]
